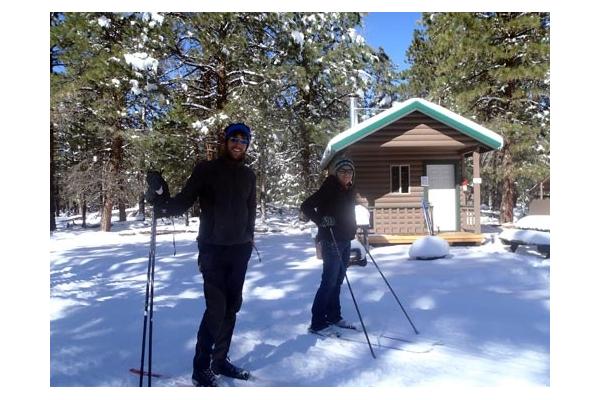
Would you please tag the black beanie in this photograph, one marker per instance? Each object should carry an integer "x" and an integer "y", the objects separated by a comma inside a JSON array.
[{"x": 340, "y": 162}]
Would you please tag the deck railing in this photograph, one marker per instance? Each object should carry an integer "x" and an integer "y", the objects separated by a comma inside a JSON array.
[
  {"x": 409, "y": 220},
  {"x": 467, "y": 218}
]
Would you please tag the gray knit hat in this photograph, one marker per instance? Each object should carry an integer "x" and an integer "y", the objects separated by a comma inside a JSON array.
[{"x": 338, "y": 162}]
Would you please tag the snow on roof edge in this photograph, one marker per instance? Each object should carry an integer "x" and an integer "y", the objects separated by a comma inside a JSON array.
[
  {"x": 329, "y": 152},
  {"x": 469, "y": 123}
]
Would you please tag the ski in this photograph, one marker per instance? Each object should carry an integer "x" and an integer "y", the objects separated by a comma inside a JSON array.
[
  {"x": 392, "y": 344},
  {"x": 333, "y": 334},
  {"x": 386, "y": 342},
  {"x": 252, "y": 381},
  {"x": 427, "y": 216},
  {"x": 385, "y": 336},
  {"x": 399, "y": 339},
  {"x": 347, "y": 327},
  {"x": 411, "y": 341},
  {"x": 261, "y": 381},
  {"x": 222, "y": 379},
  {"x": 354, "y": 328},
  {"x": 138, "y": 372}
]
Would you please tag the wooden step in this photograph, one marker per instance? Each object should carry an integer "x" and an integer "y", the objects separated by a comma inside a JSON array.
[{"x": 451, "y": 237}]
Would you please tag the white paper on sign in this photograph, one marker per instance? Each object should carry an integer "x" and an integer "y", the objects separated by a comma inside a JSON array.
[{"x": 363, "y": 217}]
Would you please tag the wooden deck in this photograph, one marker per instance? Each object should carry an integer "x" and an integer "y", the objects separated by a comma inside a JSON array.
[{"x": 465, "y": 238}]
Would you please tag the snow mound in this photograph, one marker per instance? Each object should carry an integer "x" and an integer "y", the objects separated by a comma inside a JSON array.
[
  {"x": 535, "y": 222},
  {"x": 428, "y": 248},
  {"x": 525, "y": 236}
]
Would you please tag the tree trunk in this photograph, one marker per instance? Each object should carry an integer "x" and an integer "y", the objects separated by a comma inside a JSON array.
[
  {"x": 122, "y": 211},
  {"x": 497, "y": 200},
  {"x": 122, "y": 203},
  {"x": 142, "y": 206},
  {"x": 52, "y": 205},
  {"x": 508, "y": 188},
  {"x": 196, "y": 209},
  {"x": 305, "y": 157},
  {"x": 82, "y": 211},
  {"x": 116, "y": 160},
  {"x": 507, "y": 204},
  {"x": 56, "y": 196},
  {"x": 263, "y": 201},
  {"x": 105, "y": 221}
]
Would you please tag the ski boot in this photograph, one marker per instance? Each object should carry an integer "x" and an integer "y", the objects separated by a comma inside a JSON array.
[
  {"x": 228, "y": 369},
  {"x": 204, "y": 378}
]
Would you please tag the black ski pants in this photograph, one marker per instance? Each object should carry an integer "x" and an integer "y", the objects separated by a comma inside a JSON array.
[{"x": 224, "y": 271}]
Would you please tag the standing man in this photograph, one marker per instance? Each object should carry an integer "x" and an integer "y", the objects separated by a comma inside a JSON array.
[
  {"x": 332, "y": 209},
  {"x": 226, "y": 189}
]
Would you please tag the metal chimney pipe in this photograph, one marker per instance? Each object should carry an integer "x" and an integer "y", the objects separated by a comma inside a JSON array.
[{"x": 353, "y": 114}]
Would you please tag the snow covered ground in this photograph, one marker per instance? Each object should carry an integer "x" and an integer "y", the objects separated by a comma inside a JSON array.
[{"x": 482, "y": 312}]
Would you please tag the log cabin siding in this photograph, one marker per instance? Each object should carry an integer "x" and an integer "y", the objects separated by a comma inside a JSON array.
[
  {"x": 416, "y": 130},
  {"x": 413, "y": 141},
  {"x": 373, "y": 182}
]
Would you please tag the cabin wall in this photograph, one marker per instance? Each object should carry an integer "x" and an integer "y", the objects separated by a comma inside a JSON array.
[{"x": 415, "y": 140}]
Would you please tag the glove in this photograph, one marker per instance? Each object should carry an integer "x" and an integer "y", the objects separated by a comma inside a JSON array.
[
  {"x": 158, "y": 190},
  {"x": 327, "y": 221}
]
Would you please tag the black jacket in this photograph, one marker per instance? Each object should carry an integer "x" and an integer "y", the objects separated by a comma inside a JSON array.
[
  {"x": 332, "y": 199},
  {"x": 227, "y": 193}
]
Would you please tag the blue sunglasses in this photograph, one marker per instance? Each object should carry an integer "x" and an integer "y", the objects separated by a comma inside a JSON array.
[{"x": 239, "y": 141}]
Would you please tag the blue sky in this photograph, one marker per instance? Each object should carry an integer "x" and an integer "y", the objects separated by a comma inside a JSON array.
[{"x": 391, "y": 30}]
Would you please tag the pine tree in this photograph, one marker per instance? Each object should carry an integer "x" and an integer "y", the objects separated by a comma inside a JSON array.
[
  {"x": 384, "y": 87},
  {"x": 141, "y": 91},
  {"x": 324, "y": 61},
  {"x": 54, "y": 64},
  {"x": 494, "y": 69},
  {"x": 103, "y": 56}
]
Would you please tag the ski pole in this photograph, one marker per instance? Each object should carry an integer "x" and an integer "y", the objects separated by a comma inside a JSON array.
[
  {"x": 149, "y": 291},
  {"x": 174, "y": 249},
  {"x": 392, "y": 290},
  {"x": 352, "y": 293},
  {"x": 257, "y": 252},
  {"x": 151, "y": 313}
]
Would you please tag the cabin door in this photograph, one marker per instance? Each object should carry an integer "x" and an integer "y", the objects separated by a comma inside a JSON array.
[{"x": 441, "y": 194}]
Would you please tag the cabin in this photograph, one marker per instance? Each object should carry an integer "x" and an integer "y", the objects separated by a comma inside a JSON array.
[{"x": 415, "y": 152}]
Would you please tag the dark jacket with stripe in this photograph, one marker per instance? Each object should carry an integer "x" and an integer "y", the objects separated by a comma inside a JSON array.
[
  {"x": 227, "y": 193},
  {"x": 332, "y": 199}
]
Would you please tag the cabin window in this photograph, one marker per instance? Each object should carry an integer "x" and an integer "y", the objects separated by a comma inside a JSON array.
[{"x": 400, "y": 178}]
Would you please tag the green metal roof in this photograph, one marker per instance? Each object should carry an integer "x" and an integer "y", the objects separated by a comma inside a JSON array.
[{"x": 445, "y": 116}]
